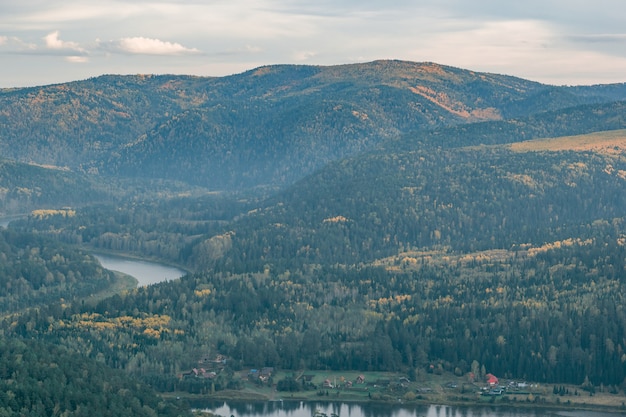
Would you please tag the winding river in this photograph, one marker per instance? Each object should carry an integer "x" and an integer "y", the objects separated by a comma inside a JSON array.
[{"x": 144, "y": 272}]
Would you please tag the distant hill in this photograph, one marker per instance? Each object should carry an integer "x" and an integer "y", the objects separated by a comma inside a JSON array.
[{"x": 268, "y": 126}]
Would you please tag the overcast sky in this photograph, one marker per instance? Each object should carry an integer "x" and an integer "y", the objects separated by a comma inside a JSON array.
[{"x": 551, "y": 41}]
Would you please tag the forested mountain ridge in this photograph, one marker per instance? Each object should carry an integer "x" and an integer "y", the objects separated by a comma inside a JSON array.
[
  {"x": 416, "y": 217},
  {"x": 509, "y": 256},
  {"x": 271, "y": 125}
]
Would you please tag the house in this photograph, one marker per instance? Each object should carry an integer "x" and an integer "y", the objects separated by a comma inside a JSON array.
[
  {"x": 207, "y": 374},
  {"x": 328, "y": 384},
  {"x": 492, "y": 380},
  {"x": 199, "y": 373},
  {"x": 360, "y": 379}
]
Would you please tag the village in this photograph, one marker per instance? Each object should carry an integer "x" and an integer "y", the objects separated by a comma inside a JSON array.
[{"x": 428, "y": 386}]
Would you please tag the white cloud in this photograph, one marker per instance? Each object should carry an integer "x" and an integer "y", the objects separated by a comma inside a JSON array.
[
  {"x": 77, "y": 59},
  {"x": 54, "y": 42},
  {"x": 150, "y": 46},
  {"x": 13, "y": 44}
]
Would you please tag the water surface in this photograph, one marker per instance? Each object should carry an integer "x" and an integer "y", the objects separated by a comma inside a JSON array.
[
  {"x": 308, "y": 409},
  {"x": 144, "y": 272}
]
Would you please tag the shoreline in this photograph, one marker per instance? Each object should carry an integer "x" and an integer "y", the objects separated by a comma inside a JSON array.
[{"x": 233, "y": 396}]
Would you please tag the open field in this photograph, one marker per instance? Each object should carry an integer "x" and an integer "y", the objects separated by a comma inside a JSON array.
[{"x": 607, "y": 142}]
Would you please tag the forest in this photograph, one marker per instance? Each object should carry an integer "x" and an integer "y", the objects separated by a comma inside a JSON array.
[
  {"x": 465, "y": 258},
  {"x": 413, "y": 235}
]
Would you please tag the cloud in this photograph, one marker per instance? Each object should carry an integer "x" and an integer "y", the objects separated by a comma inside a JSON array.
[
  {"x": 77, "y": 59},
  {"x": 150, "y": 46},
  {"x": 53, "y": 42},
  {"x": 13, "y": 44}
]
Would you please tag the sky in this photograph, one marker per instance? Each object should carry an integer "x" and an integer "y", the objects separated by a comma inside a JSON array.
[{"x": 560, "y": 42}]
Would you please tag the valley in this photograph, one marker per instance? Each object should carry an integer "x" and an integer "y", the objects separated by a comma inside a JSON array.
[{"x": 410, "y": 219}]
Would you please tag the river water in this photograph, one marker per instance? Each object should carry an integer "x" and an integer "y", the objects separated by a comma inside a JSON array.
[
  {"x": 308, "y": 409},
  {"x": 144, "y": 272}
]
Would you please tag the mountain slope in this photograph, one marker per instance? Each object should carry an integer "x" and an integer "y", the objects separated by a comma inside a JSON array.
[
  {"x": 441, "y": 189},
  {"x": 75, "y": 124},
  {"x": 271, "y": 125},
  {"x": 451, "y": 246}
]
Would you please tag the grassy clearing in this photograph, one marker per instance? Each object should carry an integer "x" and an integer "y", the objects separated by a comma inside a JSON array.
[{"x": 607, "y": 142}]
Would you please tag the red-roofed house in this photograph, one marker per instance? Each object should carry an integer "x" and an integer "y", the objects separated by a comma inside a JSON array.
[{"x": 491, "y": 380}]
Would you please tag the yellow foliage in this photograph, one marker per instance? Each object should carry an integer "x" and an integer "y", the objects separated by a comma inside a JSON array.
[
  {"x": 149, "y": 325},
  {"x": 558, "y": 244},
  {"x": 336, "y": 219},
  {"x": 202, "y": 293},
  {"x": 42, "y": 214},
  {"x": 152, "y": 333}
]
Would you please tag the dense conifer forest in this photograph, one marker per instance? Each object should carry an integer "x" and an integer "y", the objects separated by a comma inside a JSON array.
[{"x": 379, "y": 217}]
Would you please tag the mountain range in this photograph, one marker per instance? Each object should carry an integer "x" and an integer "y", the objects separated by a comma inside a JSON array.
[
  {"x": 391, "y": 215},
  {"x": 269, "y": 126}
]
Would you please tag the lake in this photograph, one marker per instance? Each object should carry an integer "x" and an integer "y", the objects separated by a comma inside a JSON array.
[
  {"x": 144, "y": 272},
  {"x": 308, "y": 409}
]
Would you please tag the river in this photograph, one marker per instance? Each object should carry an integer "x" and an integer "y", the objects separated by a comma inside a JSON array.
[
  {"x": 144, "y": 272},
  {"x": 308, "y": 409}
]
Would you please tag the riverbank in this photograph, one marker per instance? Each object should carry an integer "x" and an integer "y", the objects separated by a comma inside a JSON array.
[
  {"x": 121, "y": 284},
  {"x": 427, "y": 389}
]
